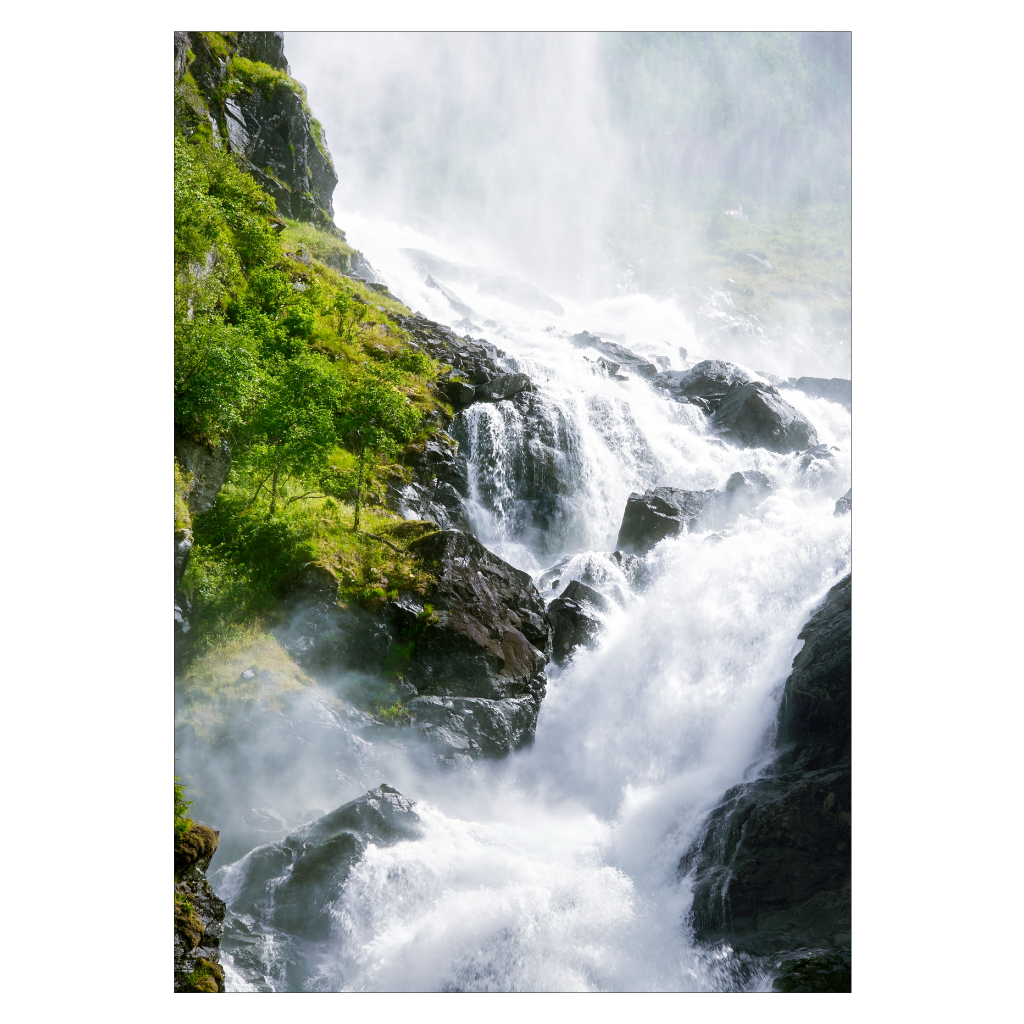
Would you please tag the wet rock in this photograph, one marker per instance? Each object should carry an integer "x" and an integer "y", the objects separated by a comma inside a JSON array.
[
  {"x": 439, "y": 488},
  {"x": 814, "y": 970},
  {"x": 475, "y": 726},
  {"x": 182, "y": 549},
  {"x": 623, "y": 358},
  {"x": 574, "y": 625},
  {"x": 290, "y": 885},
  {"x": 836, "y": 389},
  {"x": 458, "y": 392},
  {"x": 755, "y": 416},
  {"x": 198, "y": 913},
  {"x": 845, "y": 504},
  {"x": 503, "y": 386},
  {"x": 820, "y": 453},
  {"x": 771, "y": 868},
  {"x": 208, "y": 465},
  {"x": 488, "y": 635},
  {"x": 658, "y": 513},
  {"x": 743, "y": 492}
]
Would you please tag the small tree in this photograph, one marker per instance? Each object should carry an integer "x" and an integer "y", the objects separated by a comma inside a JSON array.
[
  {"x": 293, "y": 432},
  {"x": 377, "y": 419},
  {"x": 182, "y": 822}
]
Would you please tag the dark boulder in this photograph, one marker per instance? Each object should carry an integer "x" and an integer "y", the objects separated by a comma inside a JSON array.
[
  {"x": 458, "y": 392},
  {"x": 474, "y": 726},
  {"x": 755, "y": 416},
  {"x": 814, "y": 970},
  {"x": 290, "y": 886},
  {"x": 503, "y": 386},
  {"x": 572, "y": 619},
  {"x": 710, "y": 379},
  {"x": 623, "y": 358},
  {"x": 487, "y": 636},
  {"x": 845, "y": 504},
  {"x": 439, "y": 488},
  {"x": 836, "y": 389},
  {"x": 658, "y": 513},
  {"x": 771, "y": 868},
  {"x": 198, "y": 913}
]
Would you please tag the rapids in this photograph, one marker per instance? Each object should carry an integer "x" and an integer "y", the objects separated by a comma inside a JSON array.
[{"x": 556, "y": 868}]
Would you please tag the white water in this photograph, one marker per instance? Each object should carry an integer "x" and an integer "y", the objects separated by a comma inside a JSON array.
[{"x": 556, "y": 869}]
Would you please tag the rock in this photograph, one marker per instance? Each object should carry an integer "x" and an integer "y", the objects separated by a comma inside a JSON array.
[
  {"x": 623, "y": 358},
  {"x": 290, "y": 885},
  {"x": 198, "y": 913},
  {"x": 488, "y": 635},
  {"x": 194, "y": 849},
  {"x": 439, "y": 488},
  {"x": 503, "y": 386},
  {"x": 658, "y": 513},
  {"x": 814, "y": 970},
  {"x": 458, "y": 392},
  {"x": 754, "y": 416},
  {"x": 709, "y": 379},
  {"x": 573, "y": 626},
  {"x": 208, "y": 464},
  {"x": 182, "y": 549},
  {"x": 771, "y": 868},
  {"x": 311, "y": 583},
  {"x": 743, "y": 492},
  {"x": 453, "y": 300},
  {"x": 837, "y": 389},
  {"x": 281, "y": 145},
  {"x": 820, "y": 453},
  {"x": 845, "y": 504},
  {"x": 475, "y": 726}
]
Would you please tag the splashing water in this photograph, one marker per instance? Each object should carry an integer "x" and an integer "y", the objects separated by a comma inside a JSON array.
[{"x": 557, "y": 868}]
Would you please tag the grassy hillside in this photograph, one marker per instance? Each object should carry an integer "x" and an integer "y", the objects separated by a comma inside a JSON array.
[{"x": 300, "y": 370}]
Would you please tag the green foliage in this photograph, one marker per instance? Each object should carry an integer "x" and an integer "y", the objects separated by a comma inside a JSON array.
[
  {"x": 182, "y": 822},
  {"x": 182, "y": 482},
  {"x": 393, "y": 713},
  {"x": 299, "y": 368}
]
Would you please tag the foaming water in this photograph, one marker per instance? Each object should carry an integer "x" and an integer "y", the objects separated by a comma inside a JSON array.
[{"x": 557, "y": 868}]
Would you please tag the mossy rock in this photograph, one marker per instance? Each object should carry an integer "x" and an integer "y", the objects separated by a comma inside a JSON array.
[
  {"x": 187, "y": 923},
  {"x": 207, "y": 977},
  {"x": 196, "y": 846}
]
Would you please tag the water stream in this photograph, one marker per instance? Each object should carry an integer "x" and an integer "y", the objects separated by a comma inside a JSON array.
[{"x": 556, "y": 868}]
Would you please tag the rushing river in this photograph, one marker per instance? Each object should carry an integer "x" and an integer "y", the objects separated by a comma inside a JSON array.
[{"x": 556, "y": 868}]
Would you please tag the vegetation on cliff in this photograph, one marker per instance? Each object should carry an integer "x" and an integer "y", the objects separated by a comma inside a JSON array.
[{"x": 295, "y": 364}]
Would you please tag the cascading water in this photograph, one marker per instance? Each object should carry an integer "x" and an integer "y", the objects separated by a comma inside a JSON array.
[{"x": 556, "y": 868}]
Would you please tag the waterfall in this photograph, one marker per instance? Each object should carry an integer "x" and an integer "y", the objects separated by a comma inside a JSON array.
[{"x": 556, "y": 868}]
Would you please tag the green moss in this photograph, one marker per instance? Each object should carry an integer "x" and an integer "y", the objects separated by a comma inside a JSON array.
[
  {"x": 182, "y": 482},
  {"x": 207, "y": 977}
]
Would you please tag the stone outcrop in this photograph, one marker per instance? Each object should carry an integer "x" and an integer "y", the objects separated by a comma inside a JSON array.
[
  {"x": 619, "y": 358},
  {"x": 744, "y": 411},
  {"x": 487, "y": 636},
  {"x": 290, "y": 886},
  {"x": 771, "y": 868},
  {"x": 267, "y": 123},
  {"x": 439, "y": 487},
  {"x": 845, "y": 504},
  {"x": 198, "y": 914},
  {"x": 835, "y": 389},
  {"x": 658, "y": 513},
  {"x": 572, "y": 619},
  {"x": 208, "y": 464}
]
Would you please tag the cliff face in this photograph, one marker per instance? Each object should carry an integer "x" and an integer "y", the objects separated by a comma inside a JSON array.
[{"x": 238, "y": 87}]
